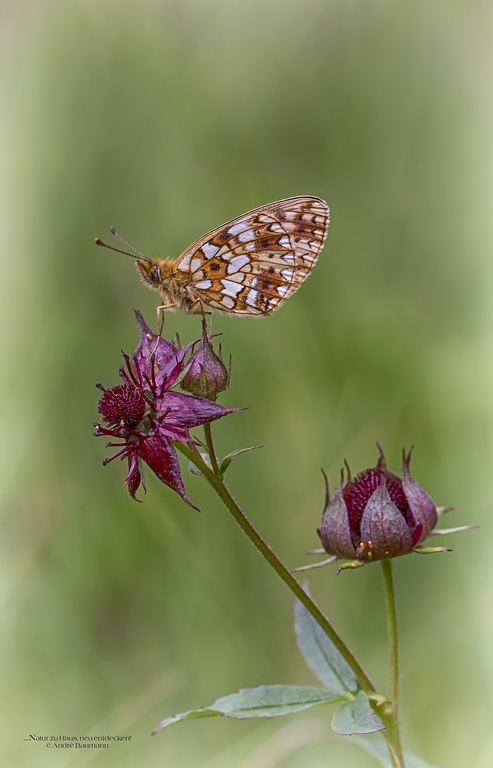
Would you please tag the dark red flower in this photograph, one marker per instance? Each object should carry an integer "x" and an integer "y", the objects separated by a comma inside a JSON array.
[
  {"x": 377, "y": 515},
  {"x": 145, "y": 415}
]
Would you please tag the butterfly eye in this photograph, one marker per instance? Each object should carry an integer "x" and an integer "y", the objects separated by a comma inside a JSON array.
[{"x": 155, "y": 274}]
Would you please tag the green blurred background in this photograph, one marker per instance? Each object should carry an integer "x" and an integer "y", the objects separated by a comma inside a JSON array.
[{"x": 166, "y": 119}]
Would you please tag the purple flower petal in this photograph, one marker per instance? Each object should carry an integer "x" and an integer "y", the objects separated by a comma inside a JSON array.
[
  {"x": 334, "y": 532},
  {"x": 171, "y": 432},
  {"x": 168, "y": 375},
  {"x": 384, "y": 531},
  {"x": 422, "y": 507},
  {"x": 151, "y": 345},
  {"x": 187, "y": 411},
  {"x": 160, "y": 455},
  {"x": 134, "y": 477}
]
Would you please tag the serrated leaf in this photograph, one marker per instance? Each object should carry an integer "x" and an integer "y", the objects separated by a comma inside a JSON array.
[
  {"x": 355, "y": 716},
  {"x": 229, "y": 458},
  {"x": 321, "y": 655},
  {"x": 264, "y": 701}
]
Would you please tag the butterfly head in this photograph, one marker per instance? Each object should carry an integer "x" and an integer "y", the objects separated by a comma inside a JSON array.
[{"x": 154, "y": 273}]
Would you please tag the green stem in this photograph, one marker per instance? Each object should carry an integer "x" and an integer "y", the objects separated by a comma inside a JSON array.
[
  {"x": 391, "y": 718},
  {"x": 216, "y": 480},
  {"x": 210, "y": 447}
]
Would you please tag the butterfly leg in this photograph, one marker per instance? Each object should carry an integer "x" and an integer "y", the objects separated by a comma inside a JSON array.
[
  {"x": 197, "y": 308},
  {"x": 160, "y": 316}
]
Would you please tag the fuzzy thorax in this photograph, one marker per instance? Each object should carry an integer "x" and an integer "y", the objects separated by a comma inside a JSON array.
[{"x": 174, "y": 285}]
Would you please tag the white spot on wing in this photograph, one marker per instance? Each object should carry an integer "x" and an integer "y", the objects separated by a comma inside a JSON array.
[
  {"x": 228, "y": 302},
  {"x": 236, "y": 263},
  {"x": 237, "y": 228},
  {"x": 209, "y": 250},
  {"x": 184, "y": 263},
  {"x": 196, "y": 264},
  {"x": 289, "y": 257},
  {"x": 244, "y": 237},
  {"x": 251, "y": 299},
  {"x": 250, "y": 246},
  {"x": 282, "y": 289},
  {"x": 284, "y": 241},
  {"x": 287, "y": 274},
  {"x": 276, "y": 228},
  {"x": 204, "y": 285},
  {"x": 237, "y": 277},
  {"x": 230, "y": 288}
]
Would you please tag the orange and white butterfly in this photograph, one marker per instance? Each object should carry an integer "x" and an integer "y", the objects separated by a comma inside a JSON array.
[{"x": 248, "y": 266}]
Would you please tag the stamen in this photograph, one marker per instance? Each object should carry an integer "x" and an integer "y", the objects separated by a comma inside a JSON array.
[
  {"x": 131, "y": 371},
  {"x": 121, "y": 454}
]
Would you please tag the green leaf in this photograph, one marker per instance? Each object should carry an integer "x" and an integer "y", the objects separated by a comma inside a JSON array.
[
  {"x": 321, "y": 655},
  {"x": 355, "y": 716},
  {"x": 195, "y": 470},
  {"x": 193, "y": 714},
  {"x": 272, "y": 700},
  {"x": 264, "y": 701},
  {"x": 229, "y": 458}
]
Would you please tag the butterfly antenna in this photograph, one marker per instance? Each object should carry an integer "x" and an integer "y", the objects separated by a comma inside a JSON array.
[
  {"x": 136, "y": 255},
  {"x": 132, "y": 248}
]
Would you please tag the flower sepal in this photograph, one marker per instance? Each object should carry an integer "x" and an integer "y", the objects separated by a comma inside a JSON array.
[
  {"x": 431, "y": 550},
  {"x": 350, "y": 566},
  {"x": 447, "y": 531}
]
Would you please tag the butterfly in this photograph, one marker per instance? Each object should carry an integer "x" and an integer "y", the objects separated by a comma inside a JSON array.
[{"x": 247, "y": 267}]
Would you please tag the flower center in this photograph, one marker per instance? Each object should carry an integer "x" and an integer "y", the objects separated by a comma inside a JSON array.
[
  {"x": 122, "y": 406},
  {"x": 358, "y": 492}
]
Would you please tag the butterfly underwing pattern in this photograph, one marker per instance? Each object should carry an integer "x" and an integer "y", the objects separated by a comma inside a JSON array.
[{"x": 247, "y": 267}]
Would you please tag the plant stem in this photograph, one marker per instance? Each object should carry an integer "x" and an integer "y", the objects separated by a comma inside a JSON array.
[
  {"x": 391, "y": 719},
  {"x": 216, "y": 480}
]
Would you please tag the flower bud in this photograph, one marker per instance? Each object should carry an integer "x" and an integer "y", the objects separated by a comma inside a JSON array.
[
  {"x": 207, "y": 375},
  {"x": 377, "y": 515}
]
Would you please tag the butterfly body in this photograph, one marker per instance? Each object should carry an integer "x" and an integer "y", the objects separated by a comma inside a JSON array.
[
  {"x": 175, "y": 286},
  {"x": 247, "y": 267}
]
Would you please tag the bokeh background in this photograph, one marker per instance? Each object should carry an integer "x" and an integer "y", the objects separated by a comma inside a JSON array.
[{"x": 167, "y": 118}]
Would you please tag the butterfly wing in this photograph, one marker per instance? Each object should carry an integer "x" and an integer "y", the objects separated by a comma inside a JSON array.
[{"x": 252, "y": 264}]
